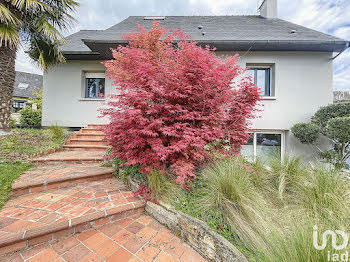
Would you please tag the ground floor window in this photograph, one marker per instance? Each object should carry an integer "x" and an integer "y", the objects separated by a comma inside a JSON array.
[
  {"x": 94, "y": 85},
  {"x": 18, "y": 105},
  {"x": 264, "y": 145}
]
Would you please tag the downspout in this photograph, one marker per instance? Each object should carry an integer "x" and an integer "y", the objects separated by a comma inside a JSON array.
[{"x": 346, "y": 47}]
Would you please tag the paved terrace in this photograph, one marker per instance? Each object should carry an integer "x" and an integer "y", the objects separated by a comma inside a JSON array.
[{"x": 70, "y": 208}]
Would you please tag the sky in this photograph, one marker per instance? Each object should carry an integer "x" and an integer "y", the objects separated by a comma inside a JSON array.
[{"x": 328, "y": 16}]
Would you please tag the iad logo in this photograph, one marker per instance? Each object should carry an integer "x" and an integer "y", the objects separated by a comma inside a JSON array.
[{"x": 333, "y": 235}]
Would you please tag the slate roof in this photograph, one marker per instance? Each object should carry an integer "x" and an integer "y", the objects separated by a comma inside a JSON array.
[
  {"x": 225, "y": 32},
  {"x": 35, "y": 84}
]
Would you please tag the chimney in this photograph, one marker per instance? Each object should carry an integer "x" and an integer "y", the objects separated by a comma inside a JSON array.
[{"x": 268, "y": 9}]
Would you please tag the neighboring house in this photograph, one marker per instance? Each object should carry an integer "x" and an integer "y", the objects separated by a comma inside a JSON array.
[
  {"x": 292, "y": 64},
  {"x": 341, "y": 96},
  {"x": 25, "y": 86}
]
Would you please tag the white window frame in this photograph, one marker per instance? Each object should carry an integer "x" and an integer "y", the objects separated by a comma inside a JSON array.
[
  {"x": 268, "y": 132},
  {"x": 88, "y": 74}
]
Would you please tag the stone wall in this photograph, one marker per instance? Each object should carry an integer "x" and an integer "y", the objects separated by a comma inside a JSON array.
[{"x": 196, "y": 233}]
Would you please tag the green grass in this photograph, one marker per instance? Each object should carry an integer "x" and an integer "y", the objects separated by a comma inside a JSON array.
[
  {"x": 8, "y": 174},
  {"x": 269, "y": 214},
  {"x": 189, "y": 202},
  {"x": 16, "y": 150},
  {"x": 22, "y": 143}
]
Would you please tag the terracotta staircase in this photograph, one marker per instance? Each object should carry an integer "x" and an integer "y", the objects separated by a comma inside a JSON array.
[
  {"x": 90, "y": 138},
  {"x": 67, "y": 193}
]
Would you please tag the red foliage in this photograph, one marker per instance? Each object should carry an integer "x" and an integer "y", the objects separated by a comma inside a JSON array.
[
  {"x": 145, "y": 192},
  {"x": 173, "y": 99}
]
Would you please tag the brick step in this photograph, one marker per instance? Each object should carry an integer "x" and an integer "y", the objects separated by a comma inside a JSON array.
[
  {"x": 46, "y": 177},
  {"x": 79, "y": 147},
  {"x": 89, "y": 136},
  {"x": 95, "y": 126},
  {"x": 91, "y": 131},
  {"x": 71, "y": 156},
  {"x": 40, "y": 217},
  {"x": 83, "y": 141}
]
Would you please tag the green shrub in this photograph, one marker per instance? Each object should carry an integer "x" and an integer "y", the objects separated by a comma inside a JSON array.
[
  {"x": 30, "y": 117},
  {"x": 324, "y": 114},
  {"x": 307, "y": 133},
  {"x": 125, "y": 172},
  {"x": 339, "y": 129},
  {"x": 333, "y": 121}
]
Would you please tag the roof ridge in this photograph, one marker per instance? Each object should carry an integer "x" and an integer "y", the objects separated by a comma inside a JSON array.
[
  {"x": 188, "y": 15},
  {"x": 21, "y": 72}
]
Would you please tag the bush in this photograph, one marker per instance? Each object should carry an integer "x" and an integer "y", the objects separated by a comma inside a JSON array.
[
  {"x": 30, "y": 117},
  {"x": 173, "y": 101},
  {"x": 339, "y": 129},
  {"x": 333, "y": 121},
  {"x": 307, "y": 133},
  {"x": 324, "y": 114}
]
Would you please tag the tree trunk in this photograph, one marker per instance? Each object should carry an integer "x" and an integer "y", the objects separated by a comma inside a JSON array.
[{"x": 7, "y": 79}]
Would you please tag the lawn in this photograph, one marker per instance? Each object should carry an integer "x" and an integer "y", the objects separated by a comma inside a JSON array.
[
  {"x": 17, "y": 148},
  {"x": 9, "y": 173}
]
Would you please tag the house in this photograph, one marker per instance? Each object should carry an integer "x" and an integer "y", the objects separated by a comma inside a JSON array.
[
  {"x": 341, "y": 96},
  {"x": 25, "y": 87},
  {"x": 292, "y": 64}
]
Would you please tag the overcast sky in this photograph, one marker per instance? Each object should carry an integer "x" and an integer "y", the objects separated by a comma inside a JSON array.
[{"x": 328, "y": 16}]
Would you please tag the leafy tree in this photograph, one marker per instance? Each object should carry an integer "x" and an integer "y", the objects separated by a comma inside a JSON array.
[
  {"x": 173, "y": 99},
  {"x": 332, "y": 121},
  {"x": 36, "y": 23}
]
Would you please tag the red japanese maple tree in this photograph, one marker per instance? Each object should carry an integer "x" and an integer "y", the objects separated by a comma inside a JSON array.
[{"x": 175, "y": 97}]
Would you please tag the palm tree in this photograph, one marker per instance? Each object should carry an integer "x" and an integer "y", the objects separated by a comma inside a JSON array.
[{"x": 37, "y": 23}]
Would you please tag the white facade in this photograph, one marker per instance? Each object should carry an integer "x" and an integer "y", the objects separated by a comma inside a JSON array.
[
  {"x": 301, "y": 83},
  {"x": 64, "y": 102}
]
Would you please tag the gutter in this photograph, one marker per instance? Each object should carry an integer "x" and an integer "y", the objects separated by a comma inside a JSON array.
[
  {"x": 346, "y": 47},
  {"x": 109, "y": 41}
]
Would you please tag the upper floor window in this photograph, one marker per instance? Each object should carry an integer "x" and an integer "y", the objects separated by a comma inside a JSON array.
[
  {"x": 94, "y": 85},
  {"x": 262, "y": 79}
]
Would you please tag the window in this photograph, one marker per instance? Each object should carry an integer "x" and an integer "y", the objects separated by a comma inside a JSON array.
[
  {"x": 262, "y": 79},
  {"x": 94, "y": 85},
  {"x": 23, "y": 85},
  {"x": 248, "y": 149},
  {"x": 18, "y": 105},
  {"x": 262, "y": 146}
]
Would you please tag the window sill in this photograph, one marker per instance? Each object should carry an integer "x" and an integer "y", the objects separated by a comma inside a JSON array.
[
  {"x": 268, "y": 98},
  {"x": 92, "y": 99}
]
